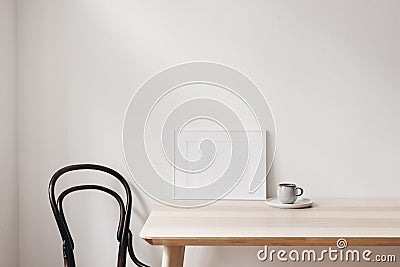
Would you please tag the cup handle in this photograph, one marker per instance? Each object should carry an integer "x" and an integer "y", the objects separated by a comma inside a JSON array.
[{"x": 299, "y": 193}]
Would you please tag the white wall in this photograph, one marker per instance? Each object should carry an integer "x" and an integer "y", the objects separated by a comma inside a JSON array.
[
  {"x": 330, "y": 70},
  {"x": 8, "y": 133}
]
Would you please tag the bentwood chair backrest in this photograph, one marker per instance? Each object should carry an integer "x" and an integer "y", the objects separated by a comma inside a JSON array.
[{"x": 124, "y": 234}]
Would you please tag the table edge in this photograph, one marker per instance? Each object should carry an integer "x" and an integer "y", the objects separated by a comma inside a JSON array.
[{"x": 272, "y": 241}]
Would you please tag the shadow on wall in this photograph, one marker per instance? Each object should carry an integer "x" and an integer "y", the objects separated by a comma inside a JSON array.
[{"x": 140, "y": 211}]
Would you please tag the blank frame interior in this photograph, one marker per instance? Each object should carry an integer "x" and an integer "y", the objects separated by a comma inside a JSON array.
[{"x": 201, "y": 158}]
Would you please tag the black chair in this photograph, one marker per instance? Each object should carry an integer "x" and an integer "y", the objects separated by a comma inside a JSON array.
[{"x": 124, "y": 234}]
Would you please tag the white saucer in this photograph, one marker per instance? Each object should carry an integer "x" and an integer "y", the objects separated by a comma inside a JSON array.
[{"x": 298, "y": 204}]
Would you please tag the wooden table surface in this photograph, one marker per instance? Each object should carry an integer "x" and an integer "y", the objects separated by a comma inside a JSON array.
[{"x": 362, "y": 222}]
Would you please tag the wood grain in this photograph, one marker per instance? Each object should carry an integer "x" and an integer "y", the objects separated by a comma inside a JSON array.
[
  {"x": 253, "y": 223},
  {"x": 173, "y": 256}
]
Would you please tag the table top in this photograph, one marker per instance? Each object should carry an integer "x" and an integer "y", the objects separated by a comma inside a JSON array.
[{"x": 253, "y": 223}]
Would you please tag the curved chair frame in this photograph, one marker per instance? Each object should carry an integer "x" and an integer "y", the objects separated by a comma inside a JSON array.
[{"x": 124, "y": 234}]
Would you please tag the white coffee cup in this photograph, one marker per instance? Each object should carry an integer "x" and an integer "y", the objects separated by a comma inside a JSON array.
[{"x": 288, "y": 193}]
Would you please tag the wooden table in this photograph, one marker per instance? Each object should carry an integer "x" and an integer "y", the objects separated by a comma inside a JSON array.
[{"x": 254, "y": 223}]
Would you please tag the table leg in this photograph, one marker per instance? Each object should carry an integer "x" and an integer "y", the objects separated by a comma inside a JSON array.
[{"x": 173, "y": 256}]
